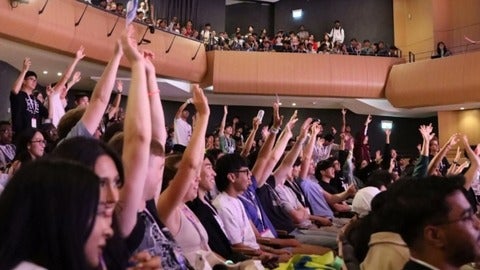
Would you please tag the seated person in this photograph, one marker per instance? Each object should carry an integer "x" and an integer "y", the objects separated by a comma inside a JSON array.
[{"x": 441, "y": 51}]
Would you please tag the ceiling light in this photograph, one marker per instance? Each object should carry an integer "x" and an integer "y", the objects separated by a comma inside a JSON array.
[
  {"x": 279, "y": 104},
  {"x": 59, "y": 74},
  {"x": 45, "y": 72},
  {"x": 294, "y": 104},
  {"x": 462, "y": 108}
]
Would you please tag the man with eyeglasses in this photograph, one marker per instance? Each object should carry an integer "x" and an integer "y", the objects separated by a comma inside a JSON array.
[
  {"x": 440, "y": 226},
  {"x": 27, "y": 111}
]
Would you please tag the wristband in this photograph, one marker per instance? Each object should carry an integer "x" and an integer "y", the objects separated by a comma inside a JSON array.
[
  {"x": 274, "y": 130},
  {"x": 152, "y": 93}
]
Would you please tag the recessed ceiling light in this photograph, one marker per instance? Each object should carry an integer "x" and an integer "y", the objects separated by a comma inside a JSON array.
[
  {"x": 45, "y": 72},
  {"x": 279, "y": 104},
  {"x": 314, "y": 102},
  {"x": 59, "y": 74},
  {"x": 294, "y": 104},
  {"x": 462, "y": 108}
]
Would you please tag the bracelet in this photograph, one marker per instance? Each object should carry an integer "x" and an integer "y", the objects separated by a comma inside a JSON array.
[
  {"x": 274, "y": 130},
  {"x": 152, "y": 93}
]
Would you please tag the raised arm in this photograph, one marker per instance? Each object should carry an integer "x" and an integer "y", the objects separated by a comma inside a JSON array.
[
  {"x": 435, "y": 162},
  {"x": 421, "y": 165},
  {"x": 279, "y": 149},
  {"x": 181, "y": 108},
  {"x": 473, "y": 172},
  {"x": 137, "y": 137},
  {"x": 267, "y": 146},
  {"x": 159, "y": 133},
  {"x": 101, "y": 93},
  {"x": 387, "y": 155},
  {"x": 221, "y": 129},
  {"x": 308, "y": 151},
  {"x": 77, "y": 76},
  {"x": 191, "y": 161},
  {"x": 17, "y": 85},
  {"x": 285, "y": 167},
  {"x": 79, "y": 55},
  {"x": 367, "y": 122},
  {"x": 251, "y": 137},
  {"x": 344, "y": 121}
]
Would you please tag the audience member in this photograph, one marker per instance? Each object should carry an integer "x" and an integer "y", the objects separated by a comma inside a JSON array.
[{"x": 441, "y": 51}]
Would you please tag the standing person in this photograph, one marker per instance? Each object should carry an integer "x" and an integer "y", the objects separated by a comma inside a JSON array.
[
  {"x": 27, "y": 111},
  {"x": 337, "y": 33},
  {"x": 181, "y": 128},
  {"x": 227, "y": 143}
]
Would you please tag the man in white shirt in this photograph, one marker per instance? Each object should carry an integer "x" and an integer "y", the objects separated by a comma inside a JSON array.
[
  {"x": 337, "y": 33},
  {"x": 182, "y": 129}
]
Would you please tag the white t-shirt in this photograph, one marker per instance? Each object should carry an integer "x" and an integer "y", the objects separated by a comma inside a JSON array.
[
  {"x": 235, "y": 220},
  {"x": 182, "y": 132}
]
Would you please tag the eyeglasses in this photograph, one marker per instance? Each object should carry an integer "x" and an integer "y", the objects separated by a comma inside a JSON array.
[
  {"x": 39, "y": 141},
  {"x": 247, "y": 171},
  {"x": 468, "y": 216}
]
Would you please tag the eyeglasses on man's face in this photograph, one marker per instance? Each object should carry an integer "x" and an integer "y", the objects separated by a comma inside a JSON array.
[{"x": 247, "y": 171}]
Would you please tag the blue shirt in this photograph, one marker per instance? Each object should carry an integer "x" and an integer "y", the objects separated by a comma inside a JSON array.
[
  {"x": 254, "y": 209},
  {"x": 314, "y": 195}
]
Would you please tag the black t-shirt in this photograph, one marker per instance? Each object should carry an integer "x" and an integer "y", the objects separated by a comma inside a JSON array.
[
  {"x": 328, "y": 187},
  {"x": 272, "y": 206},
  {"x": 24, "y": 108},
  {"x": 217, "y": 240}
]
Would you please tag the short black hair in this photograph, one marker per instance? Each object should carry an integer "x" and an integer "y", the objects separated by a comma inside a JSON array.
[
  {"x": 423, "y": 201},
  {"x": 380, "y": 178},
  {"x": 29, "y": 74},
  {"x": 227, "y": 164},
  {"x": 322, "y": 166}
]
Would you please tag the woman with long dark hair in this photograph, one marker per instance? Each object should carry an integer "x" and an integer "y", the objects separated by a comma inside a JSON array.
[{"x": 51, "y": 218}]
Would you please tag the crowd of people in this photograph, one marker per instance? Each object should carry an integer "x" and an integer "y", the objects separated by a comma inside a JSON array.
[
  {"x": 301, "y": 41},
  {"x": 93, "y": 188}
]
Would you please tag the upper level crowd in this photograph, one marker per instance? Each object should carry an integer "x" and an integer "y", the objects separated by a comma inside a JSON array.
[{"x": 99, "y": 187}]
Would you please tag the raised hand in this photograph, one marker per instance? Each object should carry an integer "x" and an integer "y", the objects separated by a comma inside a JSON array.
[
  {"x": 225, "y": 109},
  {"x": 80, "y": 53},
  {"x": 344, "y": 112},
  {"x": 426, "y": 132},
  {"x": 200, "y": 100},
  {"x": 119, "y": 86},
  {"x": 292, "y": 121},
  {"x": 315, "y": 129},
  {"x": 129, "y": 45},
  {"x": 256, "y": 123},
  {"x": 455, "y": 138},
  {"x": 304, "y": 128},
  {"x": 369, "y": 119},
  {"x": 277, "y": 119},
  {"x": 149, "y": 56},
  {"x": 26, "y": 64}
]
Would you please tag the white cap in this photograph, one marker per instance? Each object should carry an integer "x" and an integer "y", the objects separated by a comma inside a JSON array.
[{"x": 361, "y": 203}]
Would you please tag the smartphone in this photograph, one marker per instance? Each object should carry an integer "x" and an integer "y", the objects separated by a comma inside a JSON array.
[{"x": 260, "y": 115}]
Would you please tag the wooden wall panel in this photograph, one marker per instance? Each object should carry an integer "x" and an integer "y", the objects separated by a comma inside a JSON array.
[
  {"x": 54, "y": 30},
  {"x": 445, "y": 81},
  {"x": 300, "y": 74}
]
